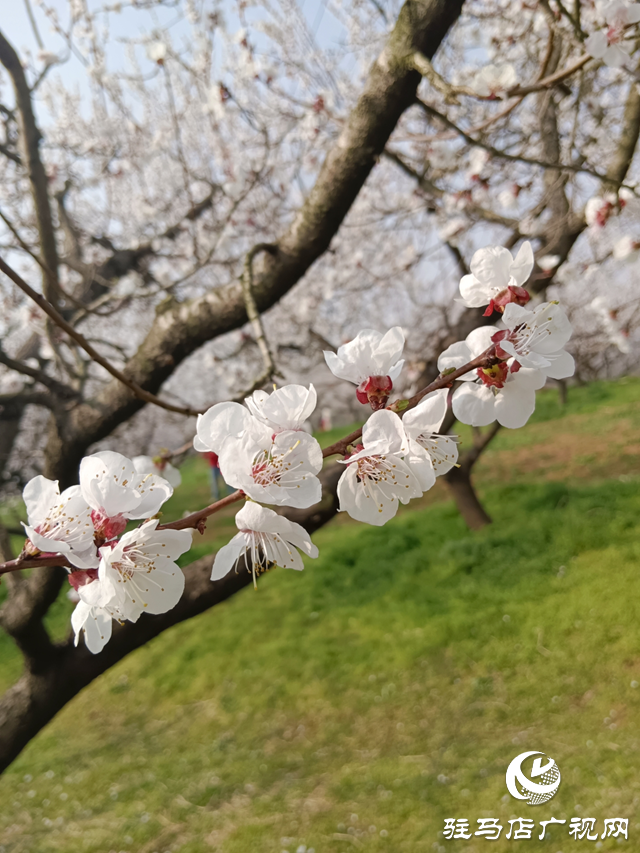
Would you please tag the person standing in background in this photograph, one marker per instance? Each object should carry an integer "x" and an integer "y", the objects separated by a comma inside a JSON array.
[{"x": 218, "y": 485}]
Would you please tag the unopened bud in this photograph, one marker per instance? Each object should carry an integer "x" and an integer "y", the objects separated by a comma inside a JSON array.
[{"x": 375, "y": 390}]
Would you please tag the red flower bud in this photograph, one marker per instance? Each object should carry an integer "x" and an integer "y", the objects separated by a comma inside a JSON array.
[{"x": 375, "y": 390}]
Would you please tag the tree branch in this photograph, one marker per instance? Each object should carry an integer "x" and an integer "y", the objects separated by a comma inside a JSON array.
[
  {"x": 31, "y": 137},
  {"x": 59, "y": 320},
  {"x": 181, "y": 328},
  {"x": 253, "y": 314},
  {"x": 64, "y": 391}
]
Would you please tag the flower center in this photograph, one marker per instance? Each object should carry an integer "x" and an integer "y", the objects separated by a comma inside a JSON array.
[
  {"x": 133, "y": 560},
  {"x": 269, "y": 468},
  {"x": 527, "y": 336},
  {"x": 374, "y": 470},
  {"x": 494, "y": 376}
]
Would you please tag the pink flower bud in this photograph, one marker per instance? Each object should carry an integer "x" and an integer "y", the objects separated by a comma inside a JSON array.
[{"x": 375, "y": 390}]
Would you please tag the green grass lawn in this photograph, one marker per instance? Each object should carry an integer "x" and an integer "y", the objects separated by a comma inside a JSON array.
[{"x": 356, "y": 705}]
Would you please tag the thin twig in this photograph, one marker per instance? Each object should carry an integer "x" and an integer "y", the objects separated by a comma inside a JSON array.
[
  {"x": 39, "y": 375},
  {"x": 505, "y": 155},
  {"x": 253, "y": 314},
  {"x": 196, "y": 520},
  {"x": 402, "y": 406},
  {"x": 51, "y": 312}
]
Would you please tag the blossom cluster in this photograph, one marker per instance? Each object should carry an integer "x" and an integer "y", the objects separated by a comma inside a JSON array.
[
  {"x": 116, "y": 574},
  {"x": 265, "y": 450}
]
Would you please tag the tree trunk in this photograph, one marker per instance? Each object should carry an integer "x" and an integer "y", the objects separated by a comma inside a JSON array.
[{"x": 467, "y": 501}]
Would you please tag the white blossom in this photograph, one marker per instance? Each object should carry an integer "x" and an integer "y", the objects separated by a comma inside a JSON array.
[
  {"x": 157, "y": 466},
  {"x": 548, "y": 262},
  {"x": 372, "y": 362},
  {"x": 377, "y": 476},
  {"x": 272, "y": 468},
  {"x": 112, "y": 487},
  {"x": 60, "y": 523},
  {"x": 157, "y": 51},
  {"x": 96, "y": 623},
  {"x": 617, "y": 336},
  {"x": 285, "y": 408},
  {"x": 478, "y": 159},
  {"x": 494, "y": 393},
  {"x": 598, "y": 210},
  {"x": 265, "y": 539},
  {"x": 496, "y": 277},
  {"x": 609, "y": 45},
  {"x": 370, "y": 353},
  {"x": 430, "y": 454},
  {"x": 139, "y": 574},
  {"x": 494, "y": 79},
  {"x": 537, "y": 338},
  {"x": 626, "y": 248}
]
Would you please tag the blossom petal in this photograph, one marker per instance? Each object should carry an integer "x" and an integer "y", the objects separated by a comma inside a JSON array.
[
  {"x": 220, "y": 423},
  {"x": 522, "y": 264},
  {"x": 491, "y": 266},
  {"x": 443, "y": 450},
  {"x": 106, "y": 480},
  {"x": 617, "y": 55},
  {"x": 596, "y": 45},
  {"x": 228, "y": 555},
  {"x": 420, "y": 463},
  {"x": 39, "y": 495},
  {"x": 96, "y": 624},
  {"x": 455, "y": 356},
  {"x": 369, "y": 507},
  {"x": 383, "y": 433},
  {"x": 474, "y": 405},
  {"x": 474, "y": 293},
  {"x": 428, "y": 415},
  {"x": 515, "y": 404},
  {"x": 286, "y": 408},
  {"x": 562, "y": 365}
]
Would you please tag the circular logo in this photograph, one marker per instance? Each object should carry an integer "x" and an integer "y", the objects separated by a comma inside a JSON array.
[{"x": 544, "y": 770}]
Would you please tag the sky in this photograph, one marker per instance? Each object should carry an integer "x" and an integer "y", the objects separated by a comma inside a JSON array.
[{"x": 15, "y": 24}]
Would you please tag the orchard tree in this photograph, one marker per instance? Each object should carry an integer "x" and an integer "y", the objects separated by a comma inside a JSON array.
[{"x": 219, "y": 202}]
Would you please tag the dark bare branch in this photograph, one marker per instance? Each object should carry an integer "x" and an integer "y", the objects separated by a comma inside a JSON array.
[{"x": 30, "y": 138}]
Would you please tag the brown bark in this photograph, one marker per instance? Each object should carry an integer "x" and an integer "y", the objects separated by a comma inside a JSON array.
[
  {"x": 473, "y": 513},
  {"x": 55, "y": 673},
  {"x": 180, "y": 328}
]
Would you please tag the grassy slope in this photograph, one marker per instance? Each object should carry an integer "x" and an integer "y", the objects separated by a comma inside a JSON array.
[{"x": 387, "y": 686}]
